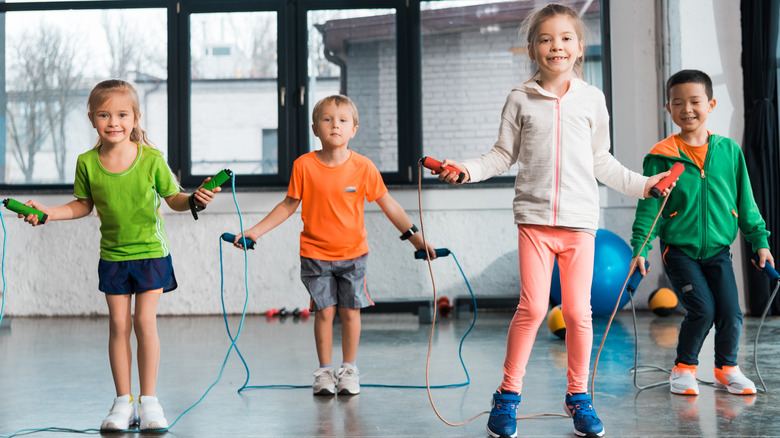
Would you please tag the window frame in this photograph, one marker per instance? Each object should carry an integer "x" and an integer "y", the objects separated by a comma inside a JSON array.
[{"x": 292, "y": 73}]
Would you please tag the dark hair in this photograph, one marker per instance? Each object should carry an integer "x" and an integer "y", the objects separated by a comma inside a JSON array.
[{"x": 688, "y": 77}]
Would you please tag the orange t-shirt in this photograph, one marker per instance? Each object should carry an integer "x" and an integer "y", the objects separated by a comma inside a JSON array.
[
  {"x": 697, "y": 154},
  {"x": 332, "y": 201}
]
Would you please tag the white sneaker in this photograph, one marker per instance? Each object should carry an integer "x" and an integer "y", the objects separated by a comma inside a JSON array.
[
  {"x": 122, "y": 414},
  {"x": 324, "y": 381},
  {"x": 151, "y": 413},
  {"x": 349, "y": 380},
  {"x": 732, "y": 379},
  {"x": 683, "y": 380}
]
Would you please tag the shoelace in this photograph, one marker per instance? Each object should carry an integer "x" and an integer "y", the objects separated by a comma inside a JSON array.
[
  {"x": 346, "y": 372},
  {"x": 582, "y": 409},
  {"x": 505, "y": 408}
]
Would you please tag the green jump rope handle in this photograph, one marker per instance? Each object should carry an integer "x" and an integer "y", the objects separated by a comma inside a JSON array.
[
  {"x": 18, "y": 207},
  {"x": 215, "y": 181},
  {"x": 218, "y": 179}
]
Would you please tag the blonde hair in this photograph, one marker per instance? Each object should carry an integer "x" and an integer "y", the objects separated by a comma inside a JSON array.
[
  {"x": 112, "y": 87},
  {"x": 339, "y": 100},
  {"x": 531, "y": 25}
]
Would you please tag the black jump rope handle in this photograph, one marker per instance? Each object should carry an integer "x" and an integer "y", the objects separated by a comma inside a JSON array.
[
  {"x": 227, "y": 237},
  {"x": 768, "y": 270},
  {"x": 423, "y": 254}
]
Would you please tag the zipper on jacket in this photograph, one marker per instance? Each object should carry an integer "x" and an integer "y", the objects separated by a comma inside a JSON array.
[
  {"x": 703, "y": 214},
  {"x": 557, "y": 160}
]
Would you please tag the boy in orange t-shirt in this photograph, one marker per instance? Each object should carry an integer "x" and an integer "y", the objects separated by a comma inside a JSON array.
[{"x": 333, "y": 184}]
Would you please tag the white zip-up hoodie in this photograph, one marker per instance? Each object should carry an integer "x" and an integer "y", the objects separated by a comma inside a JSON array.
[{"x": 561, "y": 146}]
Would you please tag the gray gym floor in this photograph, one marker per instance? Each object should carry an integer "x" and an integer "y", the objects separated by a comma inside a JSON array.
[{"x": 54, "y": 373}]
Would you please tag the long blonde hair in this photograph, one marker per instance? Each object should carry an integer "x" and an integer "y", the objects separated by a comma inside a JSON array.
[
  {"x": 109, "y": 88},
  {"x": 530, "y": 29}
]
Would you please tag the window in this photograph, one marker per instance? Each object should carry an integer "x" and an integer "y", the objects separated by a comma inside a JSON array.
[
  {"x": 233, "y": 92},
  {"x": 232, "y": 84},
  {"x": 353, "y": 52},
  {"x": 472, "y": 57},
  {"x": 52, "y": 61}
]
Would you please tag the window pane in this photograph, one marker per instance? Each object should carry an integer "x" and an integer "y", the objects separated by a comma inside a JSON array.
[
  {"x": 353, "y": 52},
  {"x": 235, "y": 115},
  {"x": 472, "y": 57},
  {"x": 52, "y": 61}
]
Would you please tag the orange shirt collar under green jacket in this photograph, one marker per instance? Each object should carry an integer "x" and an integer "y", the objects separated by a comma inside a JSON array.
[{"x": 707, "y": 207}]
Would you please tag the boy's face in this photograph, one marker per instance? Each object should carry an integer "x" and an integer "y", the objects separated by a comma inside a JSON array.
[
  {"x": 689, "y": 107},
  {"x": 335, "y": 127}
]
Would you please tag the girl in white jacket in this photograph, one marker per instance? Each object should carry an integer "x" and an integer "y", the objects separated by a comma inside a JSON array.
[{"x": 555, "y": 127}]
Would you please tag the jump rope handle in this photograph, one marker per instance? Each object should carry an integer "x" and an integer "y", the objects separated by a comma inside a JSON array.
[
  {"x": 665, "y": 182},
  {"x": 636, "y": 277},
  {"x": 18, "y": 207},
  {"x": 227, "y": 237},
  {"x": 217, "y": 180},
  {"x": 768, "y": 270},
  {"x": 423, "y": 254},
  {"x": 436, "y": 166}
]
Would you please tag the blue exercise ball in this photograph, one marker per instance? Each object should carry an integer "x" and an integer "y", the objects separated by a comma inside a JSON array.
[{"x": 611, "y": 261}]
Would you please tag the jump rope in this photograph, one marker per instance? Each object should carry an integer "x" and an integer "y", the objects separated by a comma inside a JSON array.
[
  {"x": 440, "y": 252},
  {"x": 630, "y": 284},
  {"x": 216, "y": 181},
  {"x": 632, "y": 281}
]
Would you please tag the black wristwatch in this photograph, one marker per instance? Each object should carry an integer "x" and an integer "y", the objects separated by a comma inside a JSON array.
[{"x": 409, "y": 233}]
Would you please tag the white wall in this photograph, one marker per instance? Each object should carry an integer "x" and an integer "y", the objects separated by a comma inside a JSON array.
[{"x": 52, "y": 270}]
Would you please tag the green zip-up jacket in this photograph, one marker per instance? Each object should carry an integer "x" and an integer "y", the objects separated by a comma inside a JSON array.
[{"x": 706, "y": 208}]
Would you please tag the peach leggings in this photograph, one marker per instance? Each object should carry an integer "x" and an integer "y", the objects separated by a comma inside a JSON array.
[{"x": 538, "y": 246}]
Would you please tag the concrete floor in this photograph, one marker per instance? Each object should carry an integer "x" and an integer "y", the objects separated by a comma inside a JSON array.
[{"x": 55, "y": 373}]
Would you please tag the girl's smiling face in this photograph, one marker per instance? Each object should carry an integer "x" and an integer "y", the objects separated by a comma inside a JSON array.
[
  {"x": 556, "y": 48},
  {"x": 114, "y": 120}
]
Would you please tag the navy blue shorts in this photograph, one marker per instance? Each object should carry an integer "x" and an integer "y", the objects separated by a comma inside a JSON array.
[{"x": 131, "y": 276}]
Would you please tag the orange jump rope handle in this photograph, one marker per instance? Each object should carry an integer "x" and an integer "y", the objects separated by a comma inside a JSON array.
[
  {"x": 662, "y": 185},
  {"x": 436, "y": 166}
]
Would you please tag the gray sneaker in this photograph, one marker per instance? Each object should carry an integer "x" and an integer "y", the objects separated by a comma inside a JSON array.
[
  {"x": 324, "y": 381},
  {"x": 349, "y": 380}
]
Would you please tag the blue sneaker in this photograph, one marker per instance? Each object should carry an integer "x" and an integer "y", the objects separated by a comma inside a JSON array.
[
  {"x": 586, "y": 422},
  {"x": 503, "y": 422}
]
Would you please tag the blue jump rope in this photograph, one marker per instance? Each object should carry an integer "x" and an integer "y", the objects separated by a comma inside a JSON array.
[
  {"x": 248, "y": 244},
  {"x": 222, "y": 369}
]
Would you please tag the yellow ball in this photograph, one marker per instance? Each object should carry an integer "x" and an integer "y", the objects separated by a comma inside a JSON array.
[
  {"x": 662, "y": 301},
  {"x": 555, "y": 322}
]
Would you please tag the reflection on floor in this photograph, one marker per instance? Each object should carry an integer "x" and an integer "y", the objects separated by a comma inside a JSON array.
[{"x": 54, "y": 373}]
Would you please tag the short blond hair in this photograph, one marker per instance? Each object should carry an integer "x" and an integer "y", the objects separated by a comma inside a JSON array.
[{"x": 339, "y": 100}]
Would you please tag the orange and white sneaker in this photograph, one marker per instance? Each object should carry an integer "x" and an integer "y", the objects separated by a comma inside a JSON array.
[
  {"x": 732, "y": 379},
  {"x": 683, "y": 380}
]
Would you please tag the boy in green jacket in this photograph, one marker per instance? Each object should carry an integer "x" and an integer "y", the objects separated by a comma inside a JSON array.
[{"x": 711, "y": 201}]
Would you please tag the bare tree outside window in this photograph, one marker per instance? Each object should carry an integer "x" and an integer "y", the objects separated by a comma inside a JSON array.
[
  {"x": 53, "y": 59},
  {"x": 44, "y": 77}
]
